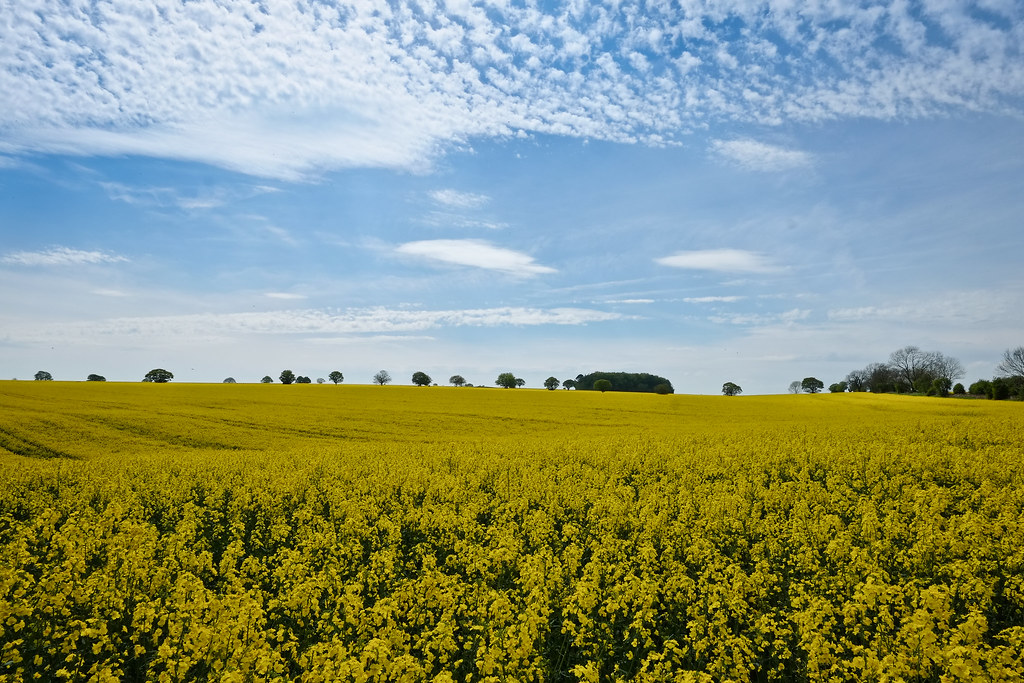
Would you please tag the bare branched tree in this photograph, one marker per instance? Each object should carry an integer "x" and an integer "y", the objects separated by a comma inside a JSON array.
[{"x": 1012, "y": 364}]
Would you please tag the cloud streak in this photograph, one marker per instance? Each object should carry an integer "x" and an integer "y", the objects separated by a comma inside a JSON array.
[
  {"x": 292, "y": 89},
  {"x": 719, "y": 260},
  {"x": 60, "y": 256},
  {"x": 319, "y": 325},
  {"x": 475, "y": 253}
]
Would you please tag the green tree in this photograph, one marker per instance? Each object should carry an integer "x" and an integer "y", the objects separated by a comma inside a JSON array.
[
  {"x": 981, "y": 388},
  {"x": 569, "y": 384},
  {"x": 812, "y": 385},
  {"x": 287, "y": 377},
  {"x": 95, "y": 378},
  {"x": 228, "y": 380},
  {"x": 421, "y": 379},
  {"x": 457, "y": 381},
  {"x": 551, "y": 383},
  {"x": 731, "y": 389},
  {"x": 520, "y": 382},
  {"x": 267, "y": 379},
  {"x": 838, "y": 387},
  {"x": 336, "y": 377},
  {"x": 941, "y": 386},
  {"x": 663, "y": 389},
  {"x": 320, "y": 380},
  {"x": 158, "y": 375},
  {"x": 302, "y": 379},
  {"x": 958, "y": 389},
  {"x": 506, "y": 380},
  {"x": 602, "y": 385},
  {"x": 382, "y": 377},
  {"x": 44, "y": 376}
]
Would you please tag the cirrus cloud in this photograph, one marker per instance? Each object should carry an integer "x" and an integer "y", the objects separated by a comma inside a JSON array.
[{"x": 60, "y": 256}]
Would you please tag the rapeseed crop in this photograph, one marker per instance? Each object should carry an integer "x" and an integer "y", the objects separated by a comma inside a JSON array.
[{"x": 323, "y": 533}]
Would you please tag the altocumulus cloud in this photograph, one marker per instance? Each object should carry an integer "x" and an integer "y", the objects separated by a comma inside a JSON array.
[
  {"x": 60, "y": 256},
  {"x": 759, "y": 156},
  {"x": 288, "y": 89},
  {"x": 476, "y": 253}
]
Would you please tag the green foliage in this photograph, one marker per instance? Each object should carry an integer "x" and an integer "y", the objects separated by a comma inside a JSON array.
[
  {"x": 382, "y": 377},
  {"x": 158, "y": 375},
  {"x": 43, "y": 376},
  {"x": 812, "y": 385},
  {"x": 551, "y": 383},
  {"x": 602, "y": 385},
  {"x": 663, "y": 389},
  {"x": 731, "y": 389},
  {"x": 267, "y": 379},
  {"x": 506, "y": 380},
  {"x": 941, "y": 386},
  {"x": 1000, "y": 389},
  {"x": 336, "y": 377},
  {"x": 95, "y": 378},
  {"x": 623, "y": 381},
  {"x": 302, "y": 379},
  {"x": 287, "y": 377},
  {"x": 228, "y": 380},
  {"x": 838, "y": 387},
  {"x": 457, "y": 381},
  {"x": 421, "y": 379},
  {"x": 569, "y": 384},
  {"x": 981, "y": 388},
  {"x": 958, "y": 389}
]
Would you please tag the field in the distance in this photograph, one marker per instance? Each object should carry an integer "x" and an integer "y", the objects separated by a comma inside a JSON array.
[{"x": 357, "y": 533}]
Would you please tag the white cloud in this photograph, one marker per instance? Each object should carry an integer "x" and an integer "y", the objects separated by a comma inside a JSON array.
[
  {"x": 476, "y": 253},
  {"x": 284, "y": 295},
  {"x": 758, "y": 156},
  {"x": 316, "y": 324},
  {"x": 763, "y": 319},
  {"x": 722, "y": 260},
  {"x": 712, "y": 299},
  {"x": 60, "y": 256},
  {"x": 291, "y": 89},
  {"x": 459, "y": 200}
]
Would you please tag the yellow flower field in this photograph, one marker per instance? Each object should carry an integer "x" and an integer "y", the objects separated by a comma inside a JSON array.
[{"x": 356, "y": 533}]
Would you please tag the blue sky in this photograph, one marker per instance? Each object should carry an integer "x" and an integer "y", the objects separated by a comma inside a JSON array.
[{"x": 719, "y": 191}]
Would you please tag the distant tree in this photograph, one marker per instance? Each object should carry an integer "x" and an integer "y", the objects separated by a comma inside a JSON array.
[
  {"x": 336, "y": 377},
  {"x": 421, "y": 379},
  {"x": 383, "y": 377},
  {"x": 838, "y": 387},
  {"x": 602, "y": 385},
  {"x": 795, "y": 387},
  {"x": 228, "y": 380},
  {"x": 267, "y": 379},
  {"x": 457, "y": 381},
  {"x": 1000, "y": 389},
  {"x": 569, "y": 384},
  {"x": 857, "y": 381},
  {"x": 1012, "y": 364},
  {"x": 158, "y": 375},
  {"x": 958, "y": 389},
  {"x": 981, "y": 388},
  {"x": 663, "y": 389},
  {"x": 520, "y": 382},
  {"x": 95, "y": 378},
  {"x": 506, "y": 380},
  {"x": 44, "y": 376},
  {"x": 881, "y": 378},
  {"x": 623, "y": 381},
  {"x": 302, "y": 379},
  {"x": 812, "y": 385},
  {"x": 941, "y": 386},
  {"x": 551, "y": 383},
  {"x": 731, "y": 389},
  {"x": 287, "y": 377},
  {"x": 320, "y": 380}
]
